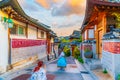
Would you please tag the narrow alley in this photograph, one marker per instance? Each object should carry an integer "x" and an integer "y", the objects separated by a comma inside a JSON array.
[{"x": 39, "y": 38}]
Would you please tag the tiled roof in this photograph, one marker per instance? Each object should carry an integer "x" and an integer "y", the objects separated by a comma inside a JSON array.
[
  {"x": 90, "y": 7},
  {"x": 75, "y": 34},
  {"x": 15, "y": 5}
]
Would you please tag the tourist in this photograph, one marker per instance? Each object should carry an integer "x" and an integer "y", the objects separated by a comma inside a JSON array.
[
  {"x": 39, "y": 72},
  {"x": 61, "y": 60}
]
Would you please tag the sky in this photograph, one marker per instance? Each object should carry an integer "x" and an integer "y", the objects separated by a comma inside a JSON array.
[{"x": 63, "y": 16}]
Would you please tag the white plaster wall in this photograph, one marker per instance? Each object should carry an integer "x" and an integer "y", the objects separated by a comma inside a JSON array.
[
  {"x": 85, "y": 35},
  {"x": 3, "y": 47},
  {"x": 45, "y": 35},
  {"x": 23, "y": 53},
  {"x": 32, "y": 32},
  {"x": 42, "y": 53},
  {"x": 17, "y": 37}
]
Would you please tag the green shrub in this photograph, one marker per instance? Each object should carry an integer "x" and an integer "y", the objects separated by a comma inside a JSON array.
[
  {"x": 59, "y": 45},
  {"x": 80, "y": 60},
  {"x": 118, "y": 77},
  {"x": 105, "y": 71},
  {"x": 76, "y": 53},
  {"x": 67, "y": 51}
]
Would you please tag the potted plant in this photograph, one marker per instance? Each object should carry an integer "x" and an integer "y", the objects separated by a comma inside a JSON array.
[{"x": 88, "y": 53}]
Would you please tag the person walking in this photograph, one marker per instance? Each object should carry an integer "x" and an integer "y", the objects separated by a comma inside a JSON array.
[
  {"x": 39, "y": 72},
  {"x": 62, "y": 60}
]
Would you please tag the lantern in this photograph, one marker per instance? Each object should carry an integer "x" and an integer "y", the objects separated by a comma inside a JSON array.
[{"x": 10, "y": 23}]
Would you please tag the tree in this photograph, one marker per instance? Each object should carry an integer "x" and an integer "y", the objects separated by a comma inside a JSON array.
[
  {"x": 117, "y": 15},
  {"x": 76, "y": 52},
  {"x": 67, "y": 51}
]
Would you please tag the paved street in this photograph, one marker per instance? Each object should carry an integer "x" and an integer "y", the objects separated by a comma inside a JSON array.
[
  {"x": 53, "y": 73},
  {"x": 71, "y": 71}
]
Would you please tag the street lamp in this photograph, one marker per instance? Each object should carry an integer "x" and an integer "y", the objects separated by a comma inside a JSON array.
[{"x": 10, "y": 23}]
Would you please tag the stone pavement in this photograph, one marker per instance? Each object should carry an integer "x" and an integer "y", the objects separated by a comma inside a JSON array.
[{"x": 73, "y": 71}]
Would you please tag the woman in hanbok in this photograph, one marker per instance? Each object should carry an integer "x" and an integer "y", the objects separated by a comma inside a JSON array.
[
  {"x": 62, "y": 61},
  {"x": 39, "y": 72}
]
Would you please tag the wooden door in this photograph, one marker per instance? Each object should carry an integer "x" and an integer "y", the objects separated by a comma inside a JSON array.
[{"x": 100, "y": 35}]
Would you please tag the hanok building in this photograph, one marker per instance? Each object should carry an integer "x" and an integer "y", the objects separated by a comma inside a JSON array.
[
  {"x": 75, "y": 35},
  {"x": 99, "y": 17},
  {"x": 23, "y": 39},
  {"x": 73, "y": 39}
]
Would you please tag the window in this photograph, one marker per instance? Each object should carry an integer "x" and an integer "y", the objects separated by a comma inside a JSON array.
[
  {"x": 14, "y": 29},
  {"x": 91, "y": 33},
  {"x": 21, "y": 30},
  {"x": 42, "y": 34},
  {"x": 18, "y": 30}
]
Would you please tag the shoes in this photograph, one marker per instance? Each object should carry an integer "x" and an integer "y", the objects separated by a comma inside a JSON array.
[{"x": 62, "y": 69}]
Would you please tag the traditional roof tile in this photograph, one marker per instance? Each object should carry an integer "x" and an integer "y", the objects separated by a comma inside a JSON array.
[
  {"x": 15, "y": 5},
  {"x": 90, "y": 7}
]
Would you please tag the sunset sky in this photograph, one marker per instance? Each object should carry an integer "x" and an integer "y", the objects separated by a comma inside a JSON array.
[{"x": 63, "y": 16}]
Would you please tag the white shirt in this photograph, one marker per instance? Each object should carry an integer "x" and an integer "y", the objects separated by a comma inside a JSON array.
[
  {"x": 62, "y": 54},
  {"x": 42, "y": 74},
  {"x": 39, "y": 75}
]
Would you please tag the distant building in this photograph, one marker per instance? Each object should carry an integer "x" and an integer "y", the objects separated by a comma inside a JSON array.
[{"x": 75, "y": 35}]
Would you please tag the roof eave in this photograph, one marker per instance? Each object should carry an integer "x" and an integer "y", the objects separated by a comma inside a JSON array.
[{"x": 15, "y": 5}]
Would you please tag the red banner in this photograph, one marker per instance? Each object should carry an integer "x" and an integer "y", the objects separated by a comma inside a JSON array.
[{"x": 17, "y": 43}]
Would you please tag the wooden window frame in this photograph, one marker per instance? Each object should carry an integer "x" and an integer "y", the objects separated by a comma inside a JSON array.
[{"x": 17, "y": 30}]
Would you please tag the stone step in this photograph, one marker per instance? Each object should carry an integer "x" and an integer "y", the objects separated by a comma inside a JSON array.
[{"x": 93, "y": 64}]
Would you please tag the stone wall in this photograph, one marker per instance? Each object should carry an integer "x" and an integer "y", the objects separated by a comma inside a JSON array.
[
  {"x": 23, "y": 49},
  {"x": 85, "y": 46},
  {"x": 111, "y": 57}
]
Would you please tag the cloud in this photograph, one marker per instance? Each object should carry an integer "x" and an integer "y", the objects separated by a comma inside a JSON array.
[
  {"x": 63, "y": 7},
  {"x": 48, "y": 4},
  {"x": 28, "y": 5},
  {"x": 69, "y": 7},
  {"x": 43, "y": 3},
  {"x": 70, "y": 21},
  {"x": 63, "y": 16},
  {"x": 65, "y": 31}
]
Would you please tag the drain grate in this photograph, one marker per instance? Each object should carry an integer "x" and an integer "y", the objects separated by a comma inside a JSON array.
[{"x": 84, "y": 72}]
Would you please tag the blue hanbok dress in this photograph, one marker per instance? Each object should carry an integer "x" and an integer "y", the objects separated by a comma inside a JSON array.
[{"x": 62, "y": 61}]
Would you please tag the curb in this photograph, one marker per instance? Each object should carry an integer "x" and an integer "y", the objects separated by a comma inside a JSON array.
[
  {"x": 91, "y": 73},
  {"x": 87, "y": 70}
]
